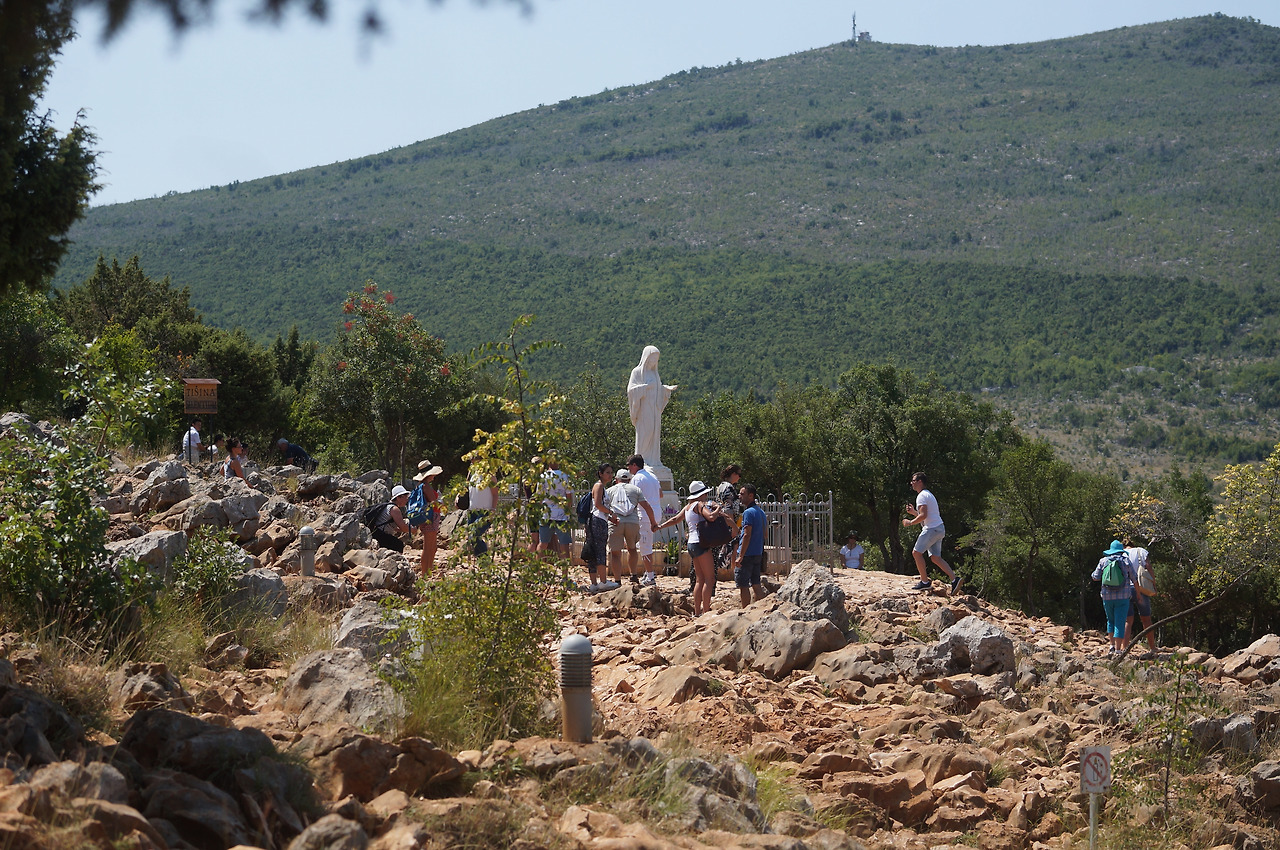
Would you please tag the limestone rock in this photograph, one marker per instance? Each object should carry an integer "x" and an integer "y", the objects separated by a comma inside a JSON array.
[
  {"x": 979, "y": 646},
  {"x": 137, "y": 686},
  {"x": 261, "y": 590},
  {"x": 156, "y": 550},
  {"x": 372, "y": 629},
  {"x": 338, "y": 686},
  {"x": 816, "y": 595}
]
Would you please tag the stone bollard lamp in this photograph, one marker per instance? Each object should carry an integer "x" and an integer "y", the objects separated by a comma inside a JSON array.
[
  {"x": 307, "y": 543},
  {"x": 575, "y": 689}
]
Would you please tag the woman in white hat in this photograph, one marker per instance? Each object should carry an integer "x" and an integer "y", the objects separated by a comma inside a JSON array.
[
  {"x": 699, "y": 510},
  {"x": 426, "y": 478}
]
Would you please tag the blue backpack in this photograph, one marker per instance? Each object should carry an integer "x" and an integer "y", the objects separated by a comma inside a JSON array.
[{"x": 417, "y": 512}]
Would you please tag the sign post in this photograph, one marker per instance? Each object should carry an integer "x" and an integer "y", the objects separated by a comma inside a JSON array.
[{"x": 1095, "y": 780}]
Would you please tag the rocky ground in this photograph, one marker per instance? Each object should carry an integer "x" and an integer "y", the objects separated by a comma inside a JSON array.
[{"x": 843, "y": 711}]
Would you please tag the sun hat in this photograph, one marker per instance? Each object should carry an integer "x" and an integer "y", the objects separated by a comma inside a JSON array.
[
  {"x": 697, "y": 490},
  {"x": 1116, "y": 548},
  {"x": 427, "y": 471},
  {"x": 397, "y": 492}
]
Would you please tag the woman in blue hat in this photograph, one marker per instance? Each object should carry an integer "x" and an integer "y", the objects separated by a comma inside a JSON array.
[{"x": 1118, "y": 580}]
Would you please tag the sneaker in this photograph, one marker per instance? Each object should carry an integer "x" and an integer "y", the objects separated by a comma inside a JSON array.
[
  {"x": 635, "y": 580},
  {"x": 923, "y": 584},
  {"x": 610, "y": 585},
  {"x": 595, "y": 587},
  {"x": 650, "y": 579},
  {"x": 956, "y": 583}
]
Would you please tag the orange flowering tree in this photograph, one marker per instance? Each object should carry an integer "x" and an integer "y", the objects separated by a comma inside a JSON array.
[{"x": 385, "y": 383}]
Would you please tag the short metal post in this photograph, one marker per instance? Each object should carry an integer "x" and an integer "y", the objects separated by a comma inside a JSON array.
[
  {"x": 1093, "y": 821},
  {"x": 307, "y": 543},
  {"x": 575, "y": 689}
]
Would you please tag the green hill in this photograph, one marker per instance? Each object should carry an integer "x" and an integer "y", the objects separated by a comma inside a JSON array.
[{"x": 1078, "y": 216}]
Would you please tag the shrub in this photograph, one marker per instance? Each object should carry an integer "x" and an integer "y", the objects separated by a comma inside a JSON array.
[{"x": 54, "y": 567}]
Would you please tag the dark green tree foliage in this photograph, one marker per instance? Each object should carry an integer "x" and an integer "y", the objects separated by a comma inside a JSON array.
[
  {"x": 892, "y": 424},
  {"x": 250, "y": 401},
  {"x": 386, "y": 384},
  {"x": 125, "y": 296},
  {"x": 45, "y": 179},
  {"x": 293, "y": 359},
  {"x": 1042, "y": 533},
  {"x": 594, "y": 414},
  {"x": 34, "y": 348}
]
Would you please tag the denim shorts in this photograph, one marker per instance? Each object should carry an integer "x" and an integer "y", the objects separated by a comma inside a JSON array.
[
  {"x": 748, "y": 573},
  {"x": 557, "y": 530},
  {"x": 930, "y": 541},
  {"x": 697, "y": 550}
]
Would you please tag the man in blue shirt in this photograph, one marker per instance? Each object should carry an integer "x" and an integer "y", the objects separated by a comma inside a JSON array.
[
  {"x": 296, "y": 455},
  {"x": 748, "y": 557}
]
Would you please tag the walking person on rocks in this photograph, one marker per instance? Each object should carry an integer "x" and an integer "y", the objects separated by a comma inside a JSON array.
[
  {"x": 554, "y": 534},
  {"x": 748, "y": 558},
  {"x": 925, "y": 513},
  {"x": 697, "y": 513},
  {"x": 1118, "y": 579},
  {"x": 1144, "y": 589},
  {"x": 651, "y": 487},
  {"x": 727, "y": 496}
]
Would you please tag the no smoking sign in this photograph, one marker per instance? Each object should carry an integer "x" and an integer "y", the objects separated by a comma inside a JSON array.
[{"x": 1095, "y": 770}]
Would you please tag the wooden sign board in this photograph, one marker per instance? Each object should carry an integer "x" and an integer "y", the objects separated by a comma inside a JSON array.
[{"x": 200, "y": 395}]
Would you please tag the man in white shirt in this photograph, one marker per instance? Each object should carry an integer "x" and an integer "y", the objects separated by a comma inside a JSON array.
[
  {"x": 925, "y": 513},
  {"x": 191, "y": 445},
  {"x": 482, "y": 502},
  {"x": 652, "y": 490}
]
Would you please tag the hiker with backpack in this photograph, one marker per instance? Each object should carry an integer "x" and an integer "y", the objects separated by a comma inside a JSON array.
[
  {"x": 1118, "y": 579},
  {"x": 386, "y": 519}
]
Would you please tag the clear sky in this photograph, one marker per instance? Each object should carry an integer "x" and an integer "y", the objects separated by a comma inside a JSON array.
[{"x": 236, "y": 101}]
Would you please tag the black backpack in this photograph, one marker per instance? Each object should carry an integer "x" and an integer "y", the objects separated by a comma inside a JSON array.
[
  {"x": 585, "y": 504},
  {"x": 371, "y": 515}
]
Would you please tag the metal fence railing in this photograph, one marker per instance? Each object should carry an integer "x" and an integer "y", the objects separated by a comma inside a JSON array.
[{"x": 799, "y": 527}]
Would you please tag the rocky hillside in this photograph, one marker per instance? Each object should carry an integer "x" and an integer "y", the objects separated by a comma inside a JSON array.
[{"x": 842, "y": 711}]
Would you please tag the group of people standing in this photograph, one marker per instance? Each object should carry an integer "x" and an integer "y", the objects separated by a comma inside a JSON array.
[{"x": 626, "y": 513}]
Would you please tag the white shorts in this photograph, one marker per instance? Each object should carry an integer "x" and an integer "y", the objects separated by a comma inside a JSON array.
[{"x": 646, "y": 537}]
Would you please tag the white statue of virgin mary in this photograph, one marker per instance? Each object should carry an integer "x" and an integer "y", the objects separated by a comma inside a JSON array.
[{"x": 647, "y": 396}]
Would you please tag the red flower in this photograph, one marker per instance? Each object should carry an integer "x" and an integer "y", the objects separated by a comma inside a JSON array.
[
  {"x": 444, "y": 370},
  {"x": 391, "y": 299},
  {"x": 370, "y": 288},
  {"x": 342, "y": 364},
  {"x": 348, "y": 307},
  {"x": 346, "y": 326}
]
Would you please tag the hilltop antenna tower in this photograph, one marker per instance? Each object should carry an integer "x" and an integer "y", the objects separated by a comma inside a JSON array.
[{"x": 854, "y": 37}]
